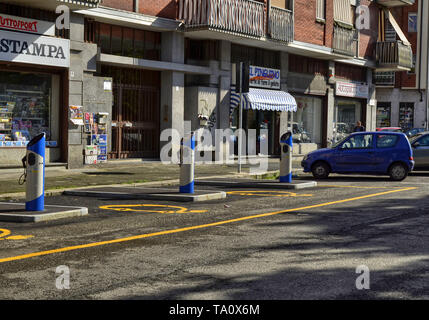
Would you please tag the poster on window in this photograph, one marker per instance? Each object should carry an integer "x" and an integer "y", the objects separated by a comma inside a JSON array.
[{"x": 76, "y": 115}]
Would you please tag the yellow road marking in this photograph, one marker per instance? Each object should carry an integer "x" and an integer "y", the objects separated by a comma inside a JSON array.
[
  {"x": 4, "y": 235},
  {"x": 135, "y": 208},
  {"x": 149, "y": 235},
  {"x": 356, "y": 187},
  {"x": 265, "y": 193}
]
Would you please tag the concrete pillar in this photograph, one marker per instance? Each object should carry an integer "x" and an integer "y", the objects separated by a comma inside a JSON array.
[
  {"x": 284, "y": 69},
  {"x": 172, "y": 86},
  {"x": 371, "y": 105}
]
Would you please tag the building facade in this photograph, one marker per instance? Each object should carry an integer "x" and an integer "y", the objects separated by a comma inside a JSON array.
[
  {"x": 126, "y": 70},
  {"x": 402, "y": 96}
]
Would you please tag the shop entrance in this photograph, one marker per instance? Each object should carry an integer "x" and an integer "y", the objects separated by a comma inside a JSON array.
[{"x": 135, "y": 114}]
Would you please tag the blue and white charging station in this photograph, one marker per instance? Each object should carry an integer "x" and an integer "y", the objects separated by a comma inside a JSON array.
[
  {"x": 35, "y": 170},
  {"x": 187, "y": 163},
  {"x": 286, "y": 144}
]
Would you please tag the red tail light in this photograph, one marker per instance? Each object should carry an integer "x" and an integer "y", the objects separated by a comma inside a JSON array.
[{"x": 411, "y": 158}]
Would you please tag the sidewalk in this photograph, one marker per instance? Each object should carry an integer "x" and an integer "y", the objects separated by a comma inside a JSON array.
[{"x": 131, "y": 172}]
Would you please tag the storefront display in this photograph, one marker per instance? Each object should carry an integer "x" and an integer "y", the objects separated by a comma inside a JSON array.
[
  {"x": 383, "y": 115},
  {"x": 406, "y": 115},
  {"x": 307, "y": 122},
  {"x": 347, "y": 114},
  {"x": 25, "y": 108}
]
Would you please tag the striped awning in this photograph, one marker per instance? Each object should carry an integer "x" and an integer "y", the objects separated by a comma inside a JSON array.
[{"x": 267, "y": 100}]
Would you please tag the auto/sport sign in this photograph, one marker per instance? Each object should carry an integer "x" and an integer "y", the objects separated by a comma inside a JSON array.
[
  {"x": 266, "y": 78},
  {"x": 34, "y": 49}
]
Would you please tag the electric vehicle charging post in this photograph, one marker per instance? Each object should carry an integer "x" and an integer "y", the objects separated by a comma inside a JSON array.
[
  {"x": 34, "y": 163},
  {"x": 286, "y": 158},
  {"x": 187, "y": 163}
]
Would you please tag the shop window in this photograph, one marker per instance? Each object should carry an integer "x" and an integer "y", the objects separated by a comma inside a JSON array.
[
  {"x": 307, "y": 122},
  {"x": 25, "y": 108},
  {"x": 406, "y": 115},
  {"x": 116, "y": 40},
  {"x": 301, "y": 64},
  {"x": 128, "y": 42},
  {"x": 255, "y": 56},
  {"x": 383, "y": 115},
  {"x": 347, "y": 114},
  {"x": 348, "y": 72},
  {"x": 104, "y": 38}
]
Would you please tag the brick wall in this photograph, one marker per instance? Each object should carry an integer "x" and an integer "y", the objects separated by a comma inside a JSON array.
[
  {"x": 401, "y": 14},
  {"x": 127, "y": 5},
  {"x": 368, "y": 38},
  {"x": 306, "y": 28},
  {"x": 158, "y": 8}
]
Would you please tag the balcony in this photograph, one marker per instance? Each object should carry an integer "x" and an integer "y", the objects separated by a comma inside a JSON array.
[
  {"x": 53, "y": 4},
  {"x": 281, "y": 24},
  {"x": 395, "y": 3},
  {"x": 384, "y": 79},
  {"x": 241, "y": 17},
  {"x": 345, "y": 41},
  {"x": 393, "y": 56}
]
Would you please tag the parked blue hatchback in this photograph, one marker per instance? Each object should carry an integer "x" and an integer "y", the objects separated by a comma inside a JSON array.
[{"x": 381, "y": 153}]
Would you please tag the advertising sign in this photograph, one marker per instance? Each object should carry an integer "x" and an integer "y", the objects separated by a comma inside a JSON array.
[
  {"x": 348, "y": 89},
  {"x": 34, "y": 49},
  {"x": 27, "y": 25},
  {"x": 265, "y": 78}
]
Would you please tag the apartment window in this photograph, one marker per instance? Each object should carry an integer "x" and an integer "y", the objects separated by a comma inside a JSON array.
[
  {"x": 320, "y": 10},
  {"x": 283, "y": 4},
  {"x": 343, "y": 12},
  {"x": 412, "y": 22}
]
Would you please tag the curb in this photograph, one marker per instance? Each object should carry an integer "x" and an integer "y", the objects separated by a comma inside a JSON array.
[{"x": 56, "y": 192}]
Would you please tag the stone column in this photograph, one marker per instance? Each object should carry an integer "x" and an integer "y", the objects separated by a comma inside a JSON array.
[
  {"x": 371, "y": 105},
  {"x": 172, "y": 86}
]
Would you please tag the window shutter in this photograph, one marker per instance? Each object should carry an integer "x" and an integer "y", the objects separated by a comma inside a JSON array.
[
  {"x": 342, "y": 11},
  {"x": 320, "y": 9}
]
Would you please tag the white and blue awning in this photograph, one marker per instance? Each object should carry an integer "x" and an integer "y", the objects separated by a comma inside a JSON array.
[{"x": 266, "y": 100}]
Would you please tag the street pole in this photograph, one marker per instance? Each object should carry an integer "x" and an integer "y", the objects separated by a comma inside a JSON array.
[{"x": 240, "y": 120}]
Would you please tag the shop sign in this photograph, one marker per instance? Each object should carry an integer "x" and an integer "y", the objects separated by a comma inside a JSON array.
[
  {"x": 27, "y": 48},
  {"x": 266, "y": 78},
  {"x": 354, "y": 90},
  {"x": 27, "y": 25}
]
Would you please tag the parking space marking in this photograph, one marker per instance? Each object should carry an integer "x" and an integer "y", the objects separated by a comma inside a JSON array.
[
  {"x": 150, "y": 208},
  {"x": 204, "y": 226},
  {"x": 355, "y": 187},
  {"x": 5, "y": 235},
  {"x": 268, "y": 193}
]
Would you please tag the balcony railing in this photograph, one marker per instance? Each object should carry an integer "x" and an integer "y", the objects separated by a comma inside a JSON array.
[
  {"x": 396, "y": 3},
  {"x": 244, "y": 17},
  {"x": 281, "y": 24},
  {"x": 384, "y": 78},
  {"x": 394, "y": 56},
  {"x": 345, "y": 41},
  {"x": 53, "y": 4}
]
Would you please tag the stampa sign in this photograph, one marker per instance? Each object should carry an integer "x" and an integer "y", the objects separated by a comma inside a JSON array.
[{"x": 26, "y": 48}]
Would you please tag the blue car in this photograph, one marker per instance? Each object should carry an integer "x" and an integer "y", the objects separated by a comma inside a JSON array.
[{"x": 381, "y": 153}]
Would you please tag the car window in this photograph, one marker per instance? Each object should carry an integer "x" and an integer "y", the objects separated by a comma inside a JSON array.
[
  {"x": 386, "y": 141},
  {"x": 362, "y": 141},
  {"x": 424, "y": 141}
]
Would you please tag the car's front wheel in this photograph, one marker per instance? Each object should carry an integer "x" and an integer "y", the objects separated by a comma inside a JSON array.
[
  {"x": 320, "y": 170},
  {"x": 398, "y": 172}
]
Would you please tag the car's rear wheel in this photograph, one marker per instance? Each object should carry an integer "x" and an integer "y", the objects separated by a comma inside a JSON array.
[
  {"x": 398, "y": 172},
  {"x": 320, "y": 170}
]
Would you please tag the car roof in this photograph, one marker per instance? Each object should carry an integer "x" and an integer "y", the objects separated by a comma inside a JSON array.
[{"x": 378, "y": 132}]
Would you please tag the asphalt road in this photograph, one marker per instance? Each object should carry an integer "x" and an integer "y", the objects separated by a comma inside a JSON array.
[{"x": 256, "y": 244}]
